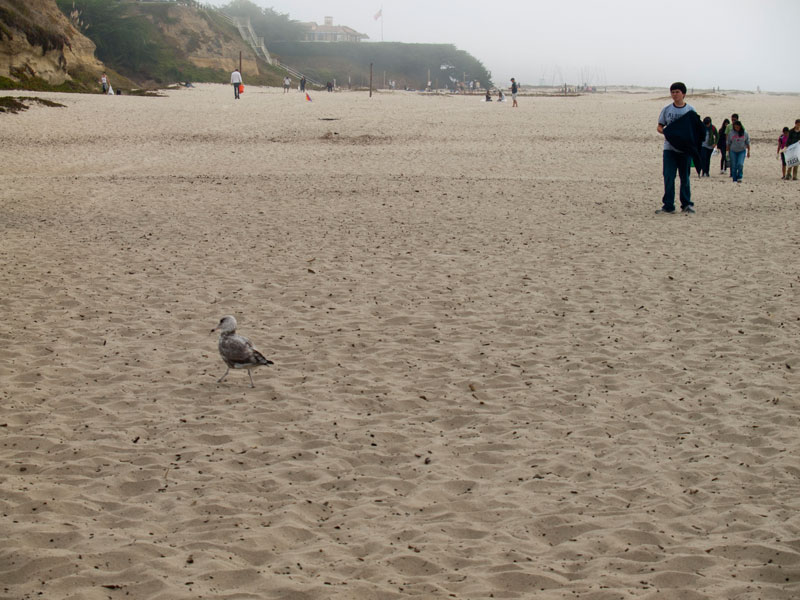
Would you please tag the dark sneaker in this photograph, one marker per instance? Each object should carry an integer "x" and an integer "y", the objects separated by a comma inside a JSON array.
[
  {"x": 688, "y": 210},
  {"x": 664, "y": 211}
]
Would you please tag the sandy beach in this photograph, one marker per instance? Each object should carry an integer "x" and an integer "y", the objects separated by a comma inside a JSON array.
[{"x": 498, "y": 374}]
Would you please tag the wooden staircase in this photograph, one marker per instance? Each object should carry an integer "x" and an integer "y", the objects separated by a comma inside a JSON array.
[{"x": 257, "y": 44}]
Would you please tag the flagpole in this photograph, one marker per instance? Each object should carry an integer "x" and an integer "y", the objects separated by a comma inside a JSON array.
[{"x": 379, "y": 15}]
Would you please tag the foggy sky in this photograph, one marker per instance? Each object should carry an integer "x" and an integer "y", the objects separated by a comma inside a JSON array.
[{"x": 732, "y": 44}]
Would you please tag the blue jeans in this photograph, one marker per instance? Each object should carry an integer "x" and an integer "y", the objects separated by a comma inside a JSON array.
[
  {"x": 236, "y": 90},
  {"x": 676, "y": 163},
  {"x": 737, "y": 164}
]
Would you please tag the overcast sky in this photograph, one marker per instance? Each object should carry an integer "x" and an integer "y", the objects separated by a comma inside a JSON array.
[{"x": 733, "y": 44}]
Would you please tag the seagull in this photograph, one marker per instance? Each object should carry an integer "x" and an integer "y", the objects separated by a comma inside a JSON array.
[{"x": 236, "y": 350}]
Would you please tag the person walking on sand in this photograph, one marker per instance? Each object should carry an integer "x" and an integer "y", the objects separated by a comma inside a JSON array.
[
  {"x": 287, "y": 83},
  {"x": 738, "y": 145},
  {"x": 303, "y": 84},
  {"x": 704, "y": 168},
  {"x": 781, "y": 145},
  {"x": 677, "y": 161},
  {"x": 236, "y": 80},
  {"x": 794, "y": 137},
  {"x": 722, "y": 146},
  {"x": 104, "y": 83},
  {"x": 514, "y": 92},
  {"x": 728, "y": 129}
]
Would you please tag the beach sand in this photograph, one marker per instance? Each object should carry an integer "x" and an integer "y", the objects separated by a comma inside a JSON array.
[{"x": 498, "y": 374}]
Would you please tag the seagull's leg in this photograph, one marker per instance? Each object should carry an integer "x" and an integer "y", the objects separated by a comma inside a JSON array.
[
  {"x": 224, "y": 375},
  {"x": 250, "y": 372}
]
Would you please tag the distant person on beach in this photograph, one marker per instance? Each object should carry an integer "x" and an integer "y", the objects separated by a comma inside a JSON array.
[
  {"x": 728, "y": 129},
  {"x": 514, "y": 92},
  {"x": 794, "y": 137},
  {"x": 709, "y": 143},
  {"x": 782, "y": 140},
  {"x": 722, "y": 146},
  {"x": 675, "y": 161},
  {"x": 488, "y": 96},
  {"x": 287, "y": 83},
  {"x": 738, "y": 145},
  {"x": 501, "y": 96},
  {"x": 236, "y": 80},
  {"x": 104, "y": 83},
  {"x": 303, "y": 84}
]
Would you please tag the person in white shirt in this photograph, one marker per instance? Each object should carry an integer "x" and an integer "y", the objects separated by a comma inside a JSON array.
[
  {"x": 675, "y": 162},
  {"x": 287, "y": 82},
  {"x": 236, "y": 80}
]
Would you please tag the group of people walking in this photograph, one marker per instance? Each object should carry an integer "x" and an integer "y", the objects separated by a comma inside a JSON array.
[
  {"x": 732, "y": 143},
  {"x": 731, "y": 140},
  {"x": 788, "y": 138},
  {"x": 237, "y": 82}
]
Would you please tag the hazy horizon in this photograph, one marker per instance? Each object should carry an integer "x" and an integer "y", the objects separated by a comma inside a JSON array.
[{"x": 731, "y": 44}]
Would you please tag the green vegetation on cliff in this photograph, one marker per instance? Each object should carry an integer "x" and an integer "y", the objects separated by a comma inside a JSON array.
[
  {"x": 407, "y": 64},
  {"x": 132, "y": 39},
  {"x": 266, "y": 22},
  {"x": 150, "y": 44}
]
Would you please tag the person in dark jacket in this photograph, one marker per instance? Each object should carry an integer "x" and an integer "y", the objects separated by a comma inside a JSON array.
[
  {"x": 722, "y": 146},
  {"x": 679, "y": 146},
  {"x": 709, "y": 143}
]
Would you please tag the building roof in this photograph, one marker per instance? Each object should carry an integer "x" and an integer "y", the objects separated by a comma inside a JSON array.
[{"x": 330, "y": 28}]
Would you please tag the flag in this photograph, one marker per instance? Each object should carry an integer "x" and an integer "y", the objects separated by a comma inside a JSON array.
[
  {"x": 378, "y": 14},
  {"x": 308, "y": 97}
]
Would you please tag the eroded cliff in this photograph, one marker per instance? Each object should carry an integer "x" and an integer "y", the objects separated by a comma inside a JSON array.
[{"x": 38, "y": 42}]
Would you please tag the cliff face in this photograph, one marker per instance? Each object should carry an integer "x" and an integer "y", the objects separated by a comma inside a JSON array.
[
  {"x": 205, "y": 44},
  {"x": 37, "y": 40}
]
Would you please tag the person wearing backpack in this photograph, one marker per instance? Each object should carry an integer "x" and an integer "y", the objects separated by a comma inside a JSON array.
[
  {"x": 722, "y": 146},
  {"x": 707, "y": 149}
]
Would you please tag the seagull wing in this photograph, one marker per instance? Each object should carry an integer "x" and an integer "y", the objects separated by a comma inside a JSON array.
[{"x": 236, "y": 350}]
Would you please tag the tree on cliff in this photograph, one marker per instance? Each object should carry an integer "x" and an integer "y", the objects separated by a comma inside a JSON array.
[
  {"x": 266, "y": 22},
  {"x": 121, "y": 39}
]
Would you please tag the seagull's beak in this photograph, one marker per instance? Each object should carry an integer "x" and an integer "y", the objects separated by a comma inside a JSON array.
[{"x": 213, "y": 330}]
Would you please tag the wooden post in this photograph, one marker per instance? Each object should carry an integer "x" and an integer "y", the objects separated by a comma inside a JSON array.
[
  {"x": 240, "y": 61},
  {"x": 370, "y": 80}
]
